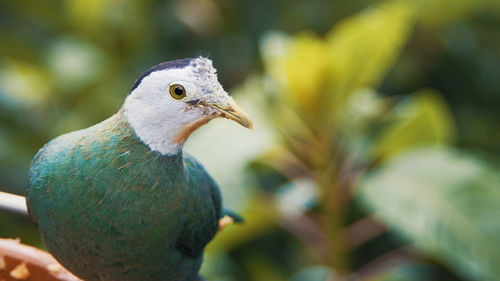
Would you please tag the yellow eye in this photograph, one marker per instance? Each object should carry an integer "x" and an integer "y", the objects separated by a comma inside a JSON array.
[{"x": 177, "y": 91}]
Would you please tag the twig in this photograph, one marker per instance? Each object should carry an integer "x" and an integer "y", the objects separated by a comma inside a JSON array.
[
  {"x": 309, "y": 233},
  {"x": 383, "y": 263},
  {"x": 13, "y": 204},
  {"x": 362, "y": 231}
]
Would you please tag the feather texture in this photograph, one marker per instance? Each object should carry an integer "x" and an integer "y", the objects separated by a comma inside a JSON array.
[{"x": 108, "y": 206}]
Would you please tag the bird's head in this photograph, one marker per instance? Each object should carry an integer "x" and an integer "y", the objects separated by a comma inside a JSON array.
[{"x": 172, "y": 99}]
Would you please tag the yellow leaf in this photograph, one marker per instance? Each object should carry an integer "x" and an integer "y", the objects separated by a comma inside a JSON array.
[
  {"x": 306, "y": 69},
  {"x": 299, "y": 67},
  {"x": 87, "y": 14},
  {"x": 430, "y": 12},
  {"x": 424, "y": 119},
  {"x": 364, "y": 47}
]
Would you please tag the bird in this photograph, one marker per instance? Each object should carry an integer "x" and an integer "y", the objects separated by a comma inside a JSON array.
[{"x": 121, "y": 200}]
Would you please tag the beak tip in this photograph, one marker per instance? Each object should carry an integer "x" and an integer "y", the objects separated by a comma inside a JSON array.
[
  {"x": 244, "y": 120},
  {"x": 249, "y": 125}
]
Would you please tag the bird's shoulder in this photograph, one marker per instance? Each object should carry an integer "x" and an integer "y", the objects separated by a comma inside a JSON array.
[
  {"x": 197, "y": 173},
  {"x": 55, "y": 154},
  {"x": 78, "y": 147},
  {"x": 201, "y": 182},
  {"x": 69, "y": 160}
]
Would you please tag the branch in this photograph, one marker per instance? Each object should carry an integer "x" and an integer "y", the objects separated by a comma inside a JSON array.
[{"x": 13, "y": 204}]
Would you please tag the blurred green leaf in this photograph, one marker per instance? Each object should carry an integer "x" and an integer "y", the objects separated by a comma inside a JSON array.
[
  {"x": 446, "y": 202},
  {"x": 299, "y": 65},
  {"x": 88, "y": 14},
  {"x": 430, "y": 12},
  {"x": 363, "y": 111},
  {"x": 362, "y": 48},
  {"x": 318, "y": 74},
  {"x": 423, "y": 118},
  {"x": 259, "y": 218},
  {"x": 261, "y": 267}
]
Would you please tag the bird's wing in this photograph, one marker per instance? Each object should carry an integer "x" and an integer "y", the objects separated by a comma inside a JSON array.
[{"x": 203, "y": 212}]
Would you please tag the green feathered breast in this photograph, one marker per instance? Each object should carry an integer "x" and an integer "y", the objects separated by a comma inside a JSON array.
[{"x": 108, "y": 206}]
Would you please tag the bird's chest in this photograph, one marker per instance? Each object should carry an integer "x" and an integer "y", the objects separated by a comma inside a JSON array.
[
  {"x": 135, "y": 216},
  {"x": 138, "y": 202},
  {"x": 119, "y": 199}
]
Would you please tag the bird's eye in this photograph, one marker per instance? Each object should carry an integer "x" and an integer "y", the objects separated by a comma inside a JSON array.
[{"x": 177, "y": 91}]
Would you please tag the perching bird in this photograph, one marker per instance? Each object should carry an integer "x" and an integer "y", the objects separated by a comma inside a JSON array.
[{"x": 120, "y": 200}]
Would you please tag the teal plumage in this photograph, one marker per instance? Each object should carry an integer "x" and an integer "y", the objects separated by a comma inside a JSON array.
[
  {"x": 148, "y": 224},
  {"x": 111, "y": 208}
]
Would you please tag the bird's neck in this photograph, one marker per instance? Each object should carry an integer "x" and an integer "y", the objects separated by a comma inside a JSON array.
[
  {"x": 127, "y": 138},
  {"x": 156, "y": 129}
]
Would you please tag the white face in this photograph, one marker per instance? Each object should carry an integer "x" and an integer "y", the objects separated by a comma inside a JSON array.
[{"x": 160, "y": 119}]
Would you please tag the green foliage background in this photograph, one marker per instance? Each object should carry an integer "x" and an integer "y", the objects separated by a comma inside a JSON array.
[{"x": 376, "y": 142}]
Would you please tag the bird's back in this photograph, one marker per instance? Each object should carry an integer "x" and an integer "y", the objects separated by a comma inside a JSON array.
[{"x": 108, "y": 206}]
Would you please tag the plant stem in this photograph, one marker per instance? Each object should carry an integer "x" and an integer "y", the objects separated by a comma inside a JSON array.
[{"x": 333, "y": 224}]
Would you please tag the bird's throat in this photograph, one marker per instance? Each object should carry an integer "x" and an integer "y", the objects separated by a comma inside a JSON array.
[{"x": 186, "y": 131}]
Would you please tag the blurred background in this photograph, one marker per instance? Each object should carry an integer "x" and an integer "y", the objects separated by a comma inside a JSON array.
[{"x": 376, "y": 146}]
